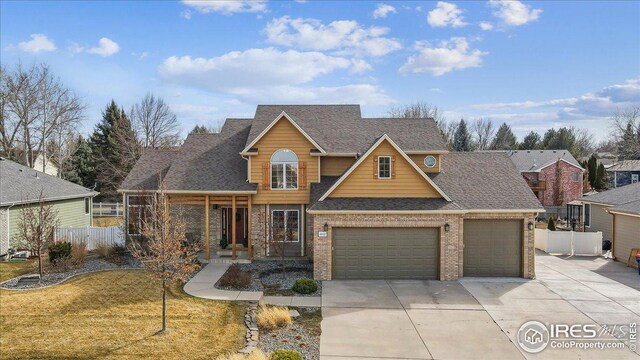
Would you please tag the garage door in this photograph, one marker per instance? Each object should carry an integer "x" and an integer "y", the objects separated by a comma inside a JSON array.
[
  {"x": 492, "y": 247},
  {"x": 385, "y": 253}
]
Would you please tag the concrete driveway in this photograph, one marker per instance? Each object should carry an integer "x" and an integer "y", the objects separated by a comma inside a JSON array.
[{"x": 470, "y": 318}]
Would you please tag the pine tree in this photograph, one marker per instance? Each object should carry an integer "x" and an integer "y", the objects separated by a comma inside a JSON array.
[
  {"x": 80, "y": 168},
  {"x": 115, "y": 149},
  {"x": 592, "y": 167},
  {"x": 628, "y": 144},
  {"x": 505, "y": 139},
  {"x": 201, "y": 129},
  {"x": 530, "y": 142},
  {"x": 462, "y": 138},
  {"x": 601, "y": 178},
  {"x": 551, "y": 225}
]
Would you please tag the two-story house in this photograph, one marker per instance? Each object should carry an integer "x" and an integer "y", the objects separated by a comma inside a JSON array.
[
  {"x": 362, "y": 198},
  {"x": 546, "y": 172}
]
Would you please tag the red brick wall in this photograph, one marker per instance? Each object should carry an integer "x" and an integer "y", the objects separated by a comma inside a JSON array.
[{"x": 572, "y": 190}]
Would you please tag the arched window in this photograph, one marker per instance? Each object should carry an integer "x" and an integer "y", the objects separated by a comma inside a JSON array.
[{"x": 284, "y": 170}]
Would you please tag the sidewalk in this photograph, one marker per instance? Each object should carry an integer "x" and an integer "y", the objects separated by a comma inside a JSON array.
[{"x": 202, "y": 286}]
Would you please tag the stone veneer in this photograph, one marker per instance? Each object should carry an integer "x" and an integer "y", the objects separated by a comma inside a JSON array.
[
  {"x": 194, "y": 218},
  {"x": 451, "y": 242}
]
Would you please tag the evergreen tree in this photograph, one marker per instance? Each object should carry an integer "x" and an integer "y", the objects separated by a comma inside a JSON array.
[
  {"x": 601, "y": 178},
  {"x": 551, "y": 225},
  {"x": 115, "y": 149},
  {"x": 200, "y": 129},
  {"x": 505, "y": 139},
  {"x": 80, "y": 168},
  {"x": 592, "y": 168},
  {"x": 629, "y": 144},
  {"x": 531, "y": 141},
  {"x": 462, "y": 138}
]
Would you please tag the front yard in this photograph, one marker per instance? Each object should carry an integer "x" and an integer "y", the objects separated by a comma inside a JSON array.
[
  {"x": 10, "y": 270},
  {"x": 114, "y": 314}
]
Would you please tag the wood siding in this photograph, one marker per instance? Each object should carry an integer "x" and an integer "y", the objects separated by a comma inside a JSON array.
[
  {"x": 601, "y": 221},
  {"x": 283, "y": 135},
  {"x": 69, "y": 213},
  {"x": 405, "y": 182},
  {"x": 419, "y": 160},
  {"x": 335, "y": 166},
  {"x": 627, "y": 236}
]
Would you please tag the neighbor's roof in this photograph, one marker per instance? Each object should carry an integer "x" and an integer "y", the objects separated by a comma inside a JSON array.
[
  {"x": 473, "y": 181},
  {"x": 535, "y": 160},
  {"x": 20, "y": 184},
  {"x": 341, "y": 128},
  {"x": 211, "y": 162},
  {"x": 632, "y": 207},
  {"x": 625, "y": 165},
  {"x": 153, "y": 164},
  {"x": 617, "y": 196}
]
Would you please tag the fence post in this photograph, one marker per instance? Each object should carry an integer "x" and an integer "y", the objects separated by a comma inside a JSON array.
[{"x": 573, "y": 244}]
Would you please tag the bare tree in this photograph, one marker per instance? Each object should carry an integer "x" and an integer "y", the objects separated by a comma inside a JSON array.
[
  {"x": 278, "y": 244},
  {"x": 483, "y": 132},
  {"x": 164, "y": 250},
  {"x": 421, "y": 110},
  {"x": 36, "y": 224},
  {"x": 155, "y": 123},
  {"x": 558, "y": 192},
  {"x": 625, "y": 126}
]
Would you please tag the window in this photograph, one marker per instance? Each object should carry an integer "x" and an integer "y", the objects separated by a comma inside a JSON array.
[
  {"x": 384, "y": 167},
  {"x": 284, "y": 170},
  {"x": 138, "y": 207},
  {"x": 87, "y": 206},
  {"x": 286, "y": 222},
  {"x": 587, "y": 215},
  {"x": 430, "y": 161},
  {"x": 575, "y": 177},
  {"x": 634, "y": 178}
]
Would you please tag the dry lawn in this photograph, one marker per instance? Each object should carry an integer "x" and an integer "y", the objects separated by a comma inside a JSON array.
[
  {"x": 115, "y": 314},
  {"x": 107, "y": 221},
  {"x": 11, "y": 269}
]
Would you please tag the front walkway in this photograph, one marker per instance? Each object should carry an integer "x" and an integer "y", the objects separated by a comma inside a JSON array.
[{"x": 203, "y": 286}]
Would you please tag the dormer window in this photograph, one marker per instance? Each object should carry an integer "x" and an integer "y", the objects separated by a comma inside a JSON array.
[
  {"x": 384, "y": 167},
  {"x": 284, "y": 170}
]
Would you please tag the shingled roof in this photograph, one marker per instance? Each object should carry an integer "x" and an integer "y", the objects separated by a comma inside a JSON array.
[
  {"x": 341, "y": 128},
  {"x": 632, "y": 207},
  {"x": 535, "y": 160},
  {"x": 211, "y": 162},
  {"x": 20, "y": 184},
  {"x": 617, "y": 196},
  {"x": 150, "y": 167},
  {"x": 473, "y": 181},
  {"x": 625, "y": 165}
]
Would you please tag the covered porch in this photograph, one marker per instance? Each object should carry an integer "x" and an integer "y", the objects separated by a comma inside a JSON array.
[{"x": 213, "y": 217}]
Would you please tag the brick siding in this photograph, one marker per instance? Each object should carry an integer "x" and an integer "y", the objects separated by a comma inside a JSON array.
[{"x": 572, "y": 189}]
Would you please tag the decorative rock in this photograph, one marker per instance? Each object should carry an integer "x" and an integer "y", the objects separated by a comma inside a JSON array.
[{"x": 294, "y": 314}]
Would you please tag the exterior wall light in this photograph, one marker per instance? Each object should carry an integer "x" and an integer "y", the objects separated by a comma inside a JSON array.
[
  {"x": 530, "y": 225},
  {"x": 326, "y": 227},
  {"x": 446, "y": 227}
]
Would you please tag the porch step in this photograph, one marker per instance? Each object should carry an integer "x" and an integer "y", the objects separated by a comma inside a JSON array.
[
  {"x": 229, "y": 261},
  {"x": 228, "y": 252}
]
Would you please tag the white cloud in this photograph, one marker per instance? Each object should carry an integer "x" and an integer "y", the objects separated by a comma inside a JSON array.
[
  {"x": 38, "y": 43},
  {"x": 106, "y": 47},
  {"x": 186, "y": 14},
  {"x": 140, "y": 55},
  {"x": 191, "y": 111},
  {"x": 435, "y": 90},
  {"x": 364, "y": 94},
  {"x": 514, "y": 13},
  {"x": 450, "y": 55},
  {"x": 446, "y": 14},
  {"x": 343, "y": 36},
  {"x": 485, "y": 25},
  {"x": 227, "y": 7},
  {"x": 383, "y": 10}
]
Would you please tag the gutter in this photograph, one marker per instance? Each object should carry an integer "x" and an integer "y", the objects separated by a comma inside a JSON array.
[
  {"x": 460, "y": 212},
  {"x": 93, "y": 194}
]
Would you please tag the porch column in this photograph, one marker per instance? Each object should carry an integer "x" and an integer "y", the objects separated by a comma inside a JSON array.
[
  {"x": 206, "y": 227},
  {"x": 250, "y": 245},
  {"x": 233, "y": 227}
]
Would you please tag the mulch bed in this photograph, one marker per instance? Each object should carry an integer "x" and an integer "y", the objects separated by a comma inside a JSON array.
[
  {"x": 303, "y": 335},
  {"x": 266, "y": 276},
  {"x": 55, "y": 276}
]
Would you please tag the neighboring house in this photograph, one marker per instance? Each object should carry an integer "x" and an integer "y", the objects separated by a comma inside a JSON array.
[
  {"x": 598, "y": 216},
  {"x": 362, "y": 198},
  {"x": 624, "y": 172},
  {"x": 605, "y": 158},
  {"x": 539, "y": 169},
  {"x": 626, "y": 230},
  {"x": 50, "y": 168},
  {"x": 21, "y": 186}
]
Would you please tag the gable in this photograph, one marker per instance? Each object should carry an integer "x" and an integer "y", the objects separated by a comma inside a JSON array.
[
  {"x": 406, "y": 182},
  {"x": 282, "y": 118}
]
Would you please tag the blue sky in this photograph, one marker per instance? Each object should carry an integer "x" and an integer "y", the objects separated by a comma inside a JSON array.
[{"x": 532, "y": 64}]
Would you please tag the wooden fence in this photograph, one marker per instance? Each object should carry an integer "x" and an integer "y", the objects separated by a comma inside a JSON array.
[
  {"x": 107, "y": 209},
  {"x": 92, "y": 236}
]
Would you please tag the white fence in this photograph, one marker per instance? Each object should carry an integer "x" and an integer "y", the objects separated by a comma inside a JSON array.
[
  {"x": 107, "y": 209},
  {"x": 92, "y": 236},
  {"x": 569, "y": 242}
]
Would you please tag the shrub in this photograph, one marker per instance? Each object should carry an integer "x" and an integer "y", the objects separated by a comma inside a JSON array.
[
  {"x": 551, "y": 225},
  {"x": 79, "y": 253},
  {"x": 256, "y": 354},
  {"x": 273, "y": 317},
  {"x": 105, "y": 250},
  {"x": 285, "y": 355},
  {"x": 305, "y": 286},
  {"x": 224, "y": 242},
  {"x": 235, "y": 278},
  {"x": 59, "y": 251}
]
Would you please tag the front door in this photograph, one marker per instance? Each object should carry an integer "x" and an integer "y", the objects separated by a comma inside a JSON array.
[{"x": 241, "y": 225}]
